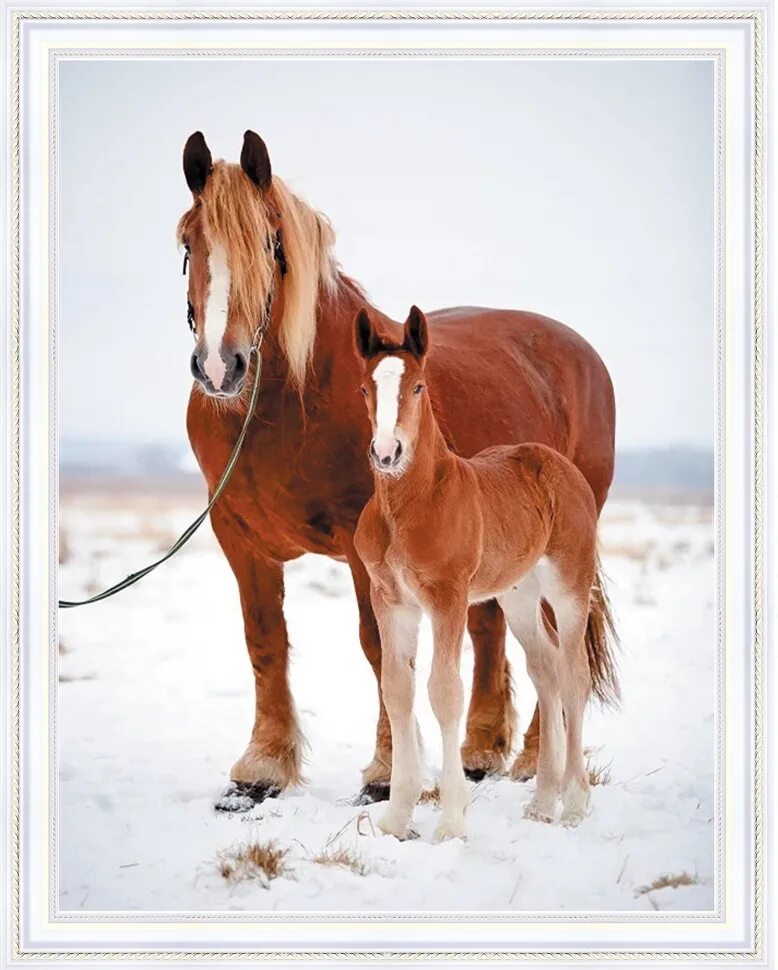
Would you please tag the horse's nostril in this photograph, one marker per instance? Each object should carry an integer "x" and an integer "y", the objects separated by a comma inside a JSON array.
[
  {"x": 239, "y": 368},
  {"x": 196, "y": 369}
]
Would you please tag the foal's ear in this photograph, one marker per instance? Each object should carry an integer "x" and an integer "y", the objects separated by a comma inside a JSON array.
[
  {"x": 366, "y": 340},
  {"x": 415, "y": 340},
  {"x": 197, "y": 162},
  {"x": 255, "y": 161}
]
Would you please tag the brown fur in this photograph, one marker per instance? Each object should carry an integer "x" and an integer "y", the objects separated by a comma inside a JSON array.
[{"x": 302, "y": 480}]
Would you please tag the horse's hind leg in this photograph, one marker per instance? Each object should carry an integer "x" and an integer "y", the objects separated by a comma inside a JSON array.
[
  {"x": 523, "y": 611},
  {"x": 491, "y": 716}
]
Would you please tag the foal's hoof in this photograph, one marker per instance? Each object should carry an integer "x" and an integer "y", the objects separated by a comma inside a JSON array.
[
  {"x": 241, "y": 796},
  {"x": 537, "y": 811},
  {"x": 451, "y": 829},
  {"x": 571, "y": 820},
  {"x": 376, "y": 791}
]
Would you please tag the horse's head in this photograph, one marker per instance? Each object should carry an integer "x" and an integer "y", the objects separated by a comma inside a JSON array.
[
  {"x": 255, "y": 252},
  {"x": 393, "y": 386}
]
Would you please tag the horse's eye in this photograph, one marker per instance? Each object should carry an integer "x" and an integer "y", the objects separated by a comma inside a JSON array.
[
  {"x": 418, "y": 389},
  {"x": 363, "y": 391}
]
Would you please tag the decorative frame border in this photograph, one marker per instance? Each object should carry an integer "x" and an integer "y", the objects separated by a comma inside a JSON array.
[
  {"x": 717, "y": 56},
  {"x": 756, "y": 17}
]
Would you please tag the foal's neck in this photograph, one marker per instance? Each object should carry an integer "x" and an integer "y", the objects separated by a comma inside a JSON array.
[{"x": 430, "y": 461}]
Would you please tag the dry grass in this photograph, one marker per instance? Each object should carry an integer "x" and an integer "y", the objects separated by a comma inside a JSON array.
[
  {"x": 264, "y": 861},
  {"x": 340, "y": 856},
  {"x": 430, "y": 796},
  {"x": 599, "y": 774},
  {"x": 672, "y": 881}
]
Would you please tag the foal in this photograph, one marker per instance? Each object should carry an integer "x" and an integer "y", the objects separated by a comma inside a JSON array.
[{"x": 518, "y": 523}]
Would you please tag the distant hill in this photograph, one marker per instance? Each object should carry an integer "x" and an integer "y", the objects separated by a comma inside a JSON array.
[
  {"x": 645, "y": 472},
  {"x": 684, "y": 469}
]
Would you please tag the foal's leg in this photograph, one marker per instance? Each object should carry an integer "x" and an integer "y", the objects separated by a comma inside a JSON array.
[
  {"x": 399, "y": 628},
  {"x": 575, "y": 686},
  {"x": 448, "y": 700},
  {"x": 491, "y": 716},
  {"x": 523, "y": 612},
  {"x": 273, "y": 757},
  {"x": 526, "y": 764}
]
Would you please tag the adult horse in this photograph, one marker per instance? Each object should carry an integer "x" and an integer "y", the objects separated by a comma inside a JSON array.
[{"x": 260, "y": 257}]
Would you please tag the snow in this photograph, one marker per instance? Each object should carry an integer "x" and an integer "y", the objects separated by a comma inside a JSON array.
[{"x": 156, "y": 702}]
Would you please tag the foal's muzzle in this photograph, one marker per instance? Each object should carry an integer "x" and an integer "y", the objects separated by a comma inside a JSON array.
[
  {"x": 386, "y": 457},
  {"x": 236, "y": 368}
]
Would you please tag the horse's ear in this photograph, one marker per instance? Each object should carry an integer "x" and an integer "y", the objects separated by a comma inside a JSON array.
[
  {"x": 197, "y": 162},
  {"x": 255, "y": 161},
  {"x": 415, "y": 340},
  {"x": 366, "y": 340}
]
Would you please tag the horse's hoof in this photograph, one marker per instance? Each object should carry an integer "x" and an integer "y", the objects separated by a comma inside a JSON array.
[
  {"x": 525, "y": 767},
  {"x": 376, "y": 791},
  {"x": 241, "y": 796},
  {"x": 475, "y": 774},
  {"x": 539, "y": 812},
  {"x": 449, "y": 830}
]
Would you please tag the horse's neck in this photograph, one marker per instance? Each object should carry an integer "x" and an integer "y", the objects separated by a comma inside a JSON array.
[{"x": 431, "y": 459}]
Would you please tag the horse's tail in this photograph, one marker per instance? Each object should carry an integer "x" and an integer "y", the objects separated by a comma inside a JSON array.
[{"x": 601, "y": 642}]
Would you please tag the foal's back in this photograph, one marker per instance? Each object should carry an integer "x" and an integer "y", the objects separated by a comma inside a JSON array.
[{"x": 534, "y": 503}]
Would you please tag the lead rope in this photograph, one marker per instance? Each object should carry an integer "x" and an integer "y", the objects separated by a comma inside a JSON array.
[{"x": 187, "y": 534}]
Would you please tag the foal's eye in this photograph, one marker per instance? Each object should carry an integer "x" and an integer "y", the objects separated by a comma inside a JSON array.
[
  {"x": 363, "y": 391},
  {"x": 418, "y": 389}
]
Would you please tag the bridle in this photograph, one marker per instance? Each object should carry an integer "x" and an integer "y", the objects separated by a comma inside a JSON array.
[{"x": 186, "y": 535}]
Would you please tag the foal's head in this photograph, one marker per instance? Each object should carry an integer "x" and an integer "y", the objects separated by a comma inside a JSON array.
[
  {"x": 253, "y": 249},
  {"x": 393, "y": 386}
]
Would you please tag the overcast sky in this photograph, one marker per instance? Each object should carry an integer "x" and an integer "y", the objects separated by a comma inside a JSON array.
[{"x": 579, "y": 189}]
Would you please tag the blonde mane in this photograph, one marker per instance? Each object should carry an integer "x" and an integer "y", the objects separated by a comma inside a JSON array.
[{"x": 236, "y": 216}]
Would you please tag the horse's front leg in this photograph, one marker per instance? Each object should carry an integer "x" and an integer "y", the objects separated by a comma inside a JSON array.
[
  {"x": 491, "y": 717},
  {"x": 376, "y": 776},
  {"x": 272, "y": 760}
]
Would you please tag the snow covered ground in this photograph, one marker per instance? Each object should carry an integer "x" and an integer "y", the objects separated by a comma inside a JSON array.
[{"x": 156, "y": 701}]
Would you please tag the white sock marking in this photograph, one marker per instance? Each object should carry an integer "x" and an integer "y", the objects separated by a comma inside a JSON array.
[
  {"x": 216, "y": 316},
  {"x": 387, "y": 377}
]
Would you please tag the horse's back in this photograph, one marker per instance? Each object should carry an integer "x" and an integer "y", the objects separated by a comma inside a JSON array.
[{"x": 509, "y": 376}]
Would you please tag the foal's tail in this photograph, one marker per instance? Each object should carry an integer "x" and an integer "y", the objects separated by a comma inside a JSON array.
[{"x": 601, "y": 641}]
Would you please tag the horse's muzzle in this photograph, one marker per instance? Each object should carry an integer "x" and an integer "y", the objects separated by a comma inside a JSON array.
[
  {"x": 386, "y": 459},
  {"x": 236, "y": 368}
]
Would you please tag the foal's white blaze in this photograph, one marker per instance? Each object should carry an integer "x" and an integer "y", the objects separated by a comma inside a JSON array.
[
  {"x": 216, "y": 316},
  {"x": 387, "y": 377}
]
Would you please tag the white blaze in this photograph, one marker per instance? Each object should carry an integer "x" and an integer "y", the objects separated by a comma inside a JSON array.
[
  {"x": 387, "y": 377},
  {"x": 216, "y": 315}
]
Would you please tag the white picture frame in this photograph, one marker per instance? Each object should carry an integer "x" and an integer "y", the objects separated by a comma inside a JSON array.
[{"x": 36, "y": 37}]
